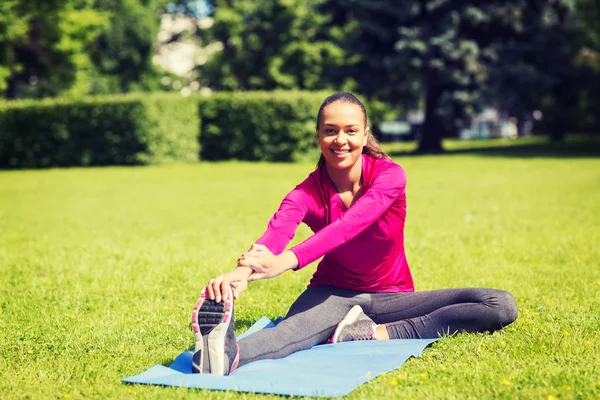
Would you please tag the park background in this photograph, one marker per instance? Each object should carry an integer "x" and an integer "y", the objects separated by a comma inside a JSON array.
[{"x": 144, "y": 144}]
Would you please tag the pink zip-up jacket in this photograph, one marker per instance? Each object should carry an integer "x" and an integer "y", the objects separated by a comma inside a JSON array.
[{"x": 362, "y": 246}]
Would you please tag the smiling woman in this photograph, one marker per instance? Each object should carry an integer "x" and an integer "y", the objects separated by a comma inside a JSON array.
[
  {"x": 343, "y": 135},
  {"x": 343, "y": 101},
  {"x": 355, "y": 203}
]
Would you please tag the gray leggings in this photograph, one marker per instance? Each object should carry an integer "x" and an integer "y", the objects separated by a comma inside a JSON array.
[{"x": 414, "y": 315}]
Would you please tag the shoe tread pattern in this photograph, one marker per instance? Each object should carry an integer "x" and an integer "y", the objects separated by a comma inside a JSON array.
[{"x": 210, "y": 315}]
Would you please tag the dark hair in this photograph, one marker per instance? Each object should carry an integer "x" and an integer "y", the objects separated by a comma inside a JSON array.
[{"x": 372, "y": 147}]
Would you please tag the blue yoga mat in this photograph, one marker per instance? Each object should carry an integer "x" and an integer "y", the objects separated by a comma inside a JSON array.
[{"x": 329, "y": 370}]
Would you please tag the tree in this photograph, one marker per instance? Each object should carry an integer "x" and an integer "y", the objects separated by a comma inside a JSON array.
[
  {"x": 535, "y": 68},
  {"x": 122, "y": 52},
  {"x": 77, "y": 47},
  {"x": 12, "y": 29},
  {"x": 441, "y": 50},
  {"x": 272, "y": 44},
  {"x": 46, "y": 59},
  {"x": 587, "y": 59}
]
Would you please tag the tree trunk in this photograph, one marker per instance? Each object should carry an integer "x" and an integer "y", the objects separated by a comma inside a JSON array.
[
  {"x": 557, "y": 133},
  {"x": 559, "y": 125},
  {"x": 11, "y": 90},
  {"x": 430, "y": 139}
]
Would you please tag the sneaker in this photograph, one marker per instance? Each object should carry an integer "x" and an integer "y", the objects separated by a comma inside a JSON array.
[
  {"x": 355, "y": 326},
  {"x": 216, "y": 350}
]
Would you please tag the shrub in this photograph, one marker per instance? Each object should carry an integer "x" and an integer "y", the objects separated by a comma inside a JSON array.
[
  {"x": 122, "y": 129},
  {"x": 175, "y": 129},
  {"x": 160, "y": 128},
  {"x": 268, "y": 126}
]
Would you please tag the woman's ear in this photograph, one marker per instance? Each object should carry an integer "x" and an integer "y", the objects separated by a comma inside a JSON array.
[{"x": 367, "y": 133}]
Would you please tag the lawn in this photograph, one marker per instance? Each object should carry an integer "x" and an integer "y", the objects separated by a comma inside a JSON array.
[{"x": 101, "y": 267}]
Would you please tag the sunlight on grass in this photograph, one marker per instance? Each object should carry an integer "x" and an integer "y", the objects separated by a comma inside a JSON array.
[
  {"x": 454, "y": 145},
  {"x": 101, "y": 268}
]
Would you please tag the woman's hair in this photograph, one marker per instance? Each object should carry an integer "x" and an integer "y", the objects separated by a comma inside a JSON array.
[{"x": 372, "y": 147}]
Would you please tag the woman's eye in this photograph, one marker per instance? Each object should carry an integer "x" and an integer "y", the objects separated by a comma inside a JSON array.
[{"x": 351, "y": 132}]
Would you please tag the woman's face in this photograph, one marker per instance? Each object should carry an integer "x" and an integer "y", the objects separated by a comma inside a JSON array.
[{"x": 342, "y": 134}]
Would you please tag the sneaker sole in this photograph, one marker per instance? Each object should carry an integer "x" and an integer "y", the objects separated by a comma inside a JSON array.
[
  {"x": 210, "y": 322},
  {"x": 348, "y": 319}
]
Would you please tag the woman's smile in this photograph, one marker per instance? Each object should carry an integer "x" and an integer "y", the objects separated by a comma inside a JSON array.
[{"x": 341, "y": 152}]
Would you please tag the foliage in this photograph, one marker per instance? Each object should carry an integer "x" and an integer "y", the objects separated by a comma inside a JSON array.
[
  {"x": 110, "y": 130},
  {"x": 442, "y": 50},
  {"x": 49, "y": 57},
  {"x": 269, "y": 126},
  {"x": 101, "y": 268},
  {"x": 587, "y": 46},
  {"x": 132, "y": 129},
  {"x": 12, "y": 29},
  {"x": 122, "y": 53},
  {"x": 588, "y": 15},
  {"x": 535, "y": 69},
  {"x": 72, "y": 48},
  {"x": 175, "y": 127},
  {"x": 273, "y": 44}
]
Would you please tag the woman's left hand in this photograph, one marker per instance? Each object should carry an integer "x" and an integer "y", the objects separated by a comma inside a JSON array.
[{"x": 265, "y": 264}]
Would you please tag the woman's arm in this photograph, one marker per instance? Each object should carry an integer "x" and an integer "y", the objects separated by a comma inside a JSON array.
[
  {"x": 280, "y": 231},
  {"x": 282, "y": 226},
  {"x": 387, "y": 186},
  {"x": 265, "y": 264}
]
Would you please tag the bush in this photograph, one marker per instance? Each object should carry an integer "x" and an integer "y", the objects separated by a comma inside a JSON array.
[
  {"x": 175, "y": 129},
  {"x": 268, "y": 126},
  {"x": 160, "y": 128},
  {"x": 125, "y": 129}
]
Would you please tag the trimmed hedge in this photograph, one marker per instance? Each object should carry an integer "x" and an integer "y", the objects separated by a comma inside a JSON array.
[
  {"x": 161, "y": 127},
  {"x": 108, "y": 130},
  {"x": 267, "y": 126}
]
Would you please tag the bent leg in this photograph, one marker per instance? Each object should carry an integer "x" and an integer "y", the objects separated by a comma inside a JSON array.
[
  {"x": 310, "y": 321},
  {"x": 431, "y": 314}
]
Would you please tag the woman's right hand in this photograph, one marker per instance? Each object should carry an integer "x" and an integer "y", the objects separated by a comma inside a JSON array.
[{"x": 216, "y": 289}]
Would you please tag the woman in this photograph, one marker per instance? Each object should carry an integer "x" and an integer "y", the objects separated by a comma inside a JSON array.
[{"x": 355, "y": 204}]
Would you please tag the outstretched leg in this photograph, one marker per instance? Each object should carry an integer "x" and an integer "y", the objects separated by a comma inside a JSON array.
[
  {"x": 430, "y": 314},
  {"x": 310, "y": 321}
]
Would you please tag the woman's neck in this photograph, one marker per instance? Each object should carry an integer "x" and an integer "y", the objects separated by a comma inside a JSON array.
[{"x": 346, "y": 180}]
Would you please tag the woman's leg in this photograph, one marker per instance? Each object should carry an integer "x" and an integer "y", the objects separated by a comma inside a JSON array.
[
  {"x": 310, "y": 321},
  {"x": 430, "y": 314}
]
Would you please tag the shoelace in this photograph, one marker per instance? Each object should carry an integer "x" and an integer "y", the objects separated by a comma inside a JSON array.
[{"x": 367, "y": 336}]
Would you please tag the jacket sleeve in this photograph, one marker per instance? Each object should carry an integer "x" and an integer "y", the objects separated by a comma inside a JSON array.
[
  {"x": 386, "y": 187},
  {"x": 282, "y": 226}
]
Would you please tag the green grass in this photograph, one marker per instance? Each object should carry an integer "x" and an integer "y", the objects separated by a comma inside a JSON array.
[{"x": 101, "y": 267}]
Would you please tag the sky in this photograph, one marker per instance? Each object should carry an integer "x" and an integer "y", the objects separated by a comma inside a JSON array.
[{"x": 200, "y": 8}]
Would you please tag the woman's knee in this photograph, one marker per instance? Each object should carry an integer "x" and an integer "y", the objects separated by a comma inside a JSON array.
[{"x": 505, "y": 307}]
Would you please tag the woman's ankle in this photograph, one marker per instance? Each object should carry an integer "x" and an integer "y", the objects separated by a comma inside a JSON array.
[{"x": 381, "y": 333}]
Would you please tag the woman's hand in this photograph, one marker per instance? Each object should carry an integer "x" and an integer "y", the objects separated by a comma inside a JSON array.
[
  {"x": 265, "y": 264},
  {"x": 238, "y": 278}
]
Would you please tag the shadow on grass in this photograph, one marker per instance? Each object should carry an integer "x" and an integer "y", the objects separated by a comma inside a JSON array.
[{"x": 587, "y": 148}]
